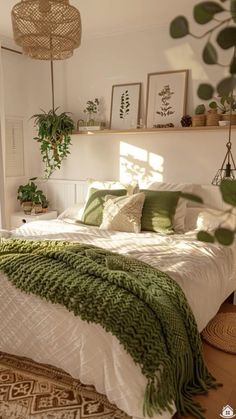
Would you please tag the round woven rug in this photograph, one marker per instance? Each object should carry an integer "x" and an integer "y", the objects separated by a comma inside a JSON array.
[{"x": 221, "y": 332}]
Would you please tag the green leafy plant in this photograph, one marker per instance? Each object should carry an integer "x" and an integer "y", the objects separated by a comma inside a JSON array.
[
  {"x": 54, "y": 137},
  {"x": 224, "y": 29},
  {"x": 124, "y": 104},
  {"x": 200, "y": 110},
  {"x": 31, "y": 193},
  {"x": 166, "y": 95},
  {"x": 92, "y": 107},
  {"x": 223, "y": 104}
]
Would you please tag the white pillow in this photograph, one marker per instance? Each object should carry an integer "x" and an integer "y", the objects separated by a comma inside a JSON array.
[
  {"x": 210, "y": 220},
  {"x": 97, "y": 184},
  {"x": 191, "y": 217},
  {"x": 179, "y": 217},
  {"x": 72, "y": 214},
  {"x": 123, "y": 213}
]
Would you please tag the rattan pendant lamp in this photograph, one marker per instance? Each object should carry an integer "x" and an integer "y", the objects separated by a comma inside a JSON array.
[{"x": 46, "y": 29}]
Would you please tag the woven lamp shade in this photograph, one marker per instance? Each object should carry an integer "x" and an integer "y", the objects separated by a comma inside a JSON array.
[{"x": 46, "y": 29}]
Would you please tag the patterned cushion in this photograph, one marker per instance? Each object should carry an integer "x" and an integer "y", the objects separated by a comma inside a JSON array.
[
  {"x": 94, "y": 207},
  {"x": 123, "y": 213}
]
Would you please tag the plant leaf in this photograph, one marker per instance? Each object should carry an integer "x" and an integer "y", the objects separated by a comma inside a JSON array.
[
  {"x": 204, "y": 236},
  {"x": 224, "y": 236},
  {"x": 179, "y": 27},
  {"x": 205, "y": 91},
  {"x": 227, "y": 37},
  {"x": 205, "y": 11},
  {"x": 226, "y": 86},
  {"x": 191, "y": 197},
  {"x": 209, "y": 54},
  {"x": 233, "y": 65},
  {"x": 228, "y": 191}
]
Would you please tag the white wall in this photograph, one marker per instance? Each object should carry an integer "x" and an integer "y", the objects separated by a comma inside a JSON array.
[
  {"x": 179, "y": 156},
  {"x": 192, "y": 156},
  {"x": 28, "y": 90}
]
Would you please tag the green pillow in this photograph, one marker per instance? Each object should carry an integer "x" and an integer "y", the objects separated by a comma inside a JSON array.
[
  {"x": 158, "y": 210},
  {"x": 94, "y": 208}
]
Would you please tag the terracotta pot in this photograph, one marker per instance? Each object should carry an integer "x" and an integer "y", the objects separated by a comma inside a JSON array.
[
  {"x": 38, "y": 208},
  {"x": 198, "y": 120},
  {"x": 45, "y": 210},
  {"x": 27, "y": 207},
  {"x": 213, "y": 119},
  {"x": 226, "y": 117}
]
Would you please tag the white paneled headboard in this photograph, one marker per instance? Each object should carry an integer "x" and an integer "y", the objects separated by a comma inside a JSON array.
[{"x": 65, "y": 193}]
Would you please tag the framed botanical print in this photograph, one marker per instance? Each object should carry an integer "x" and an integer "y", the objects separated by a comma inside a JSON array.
[
  {"x": 125, "y": 106},
  {"x": 166, "y": 98}
]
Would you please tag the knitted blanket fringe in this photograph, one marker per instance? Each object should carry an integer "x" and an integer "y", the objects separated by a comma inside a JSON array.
[{"x": 143, "y": 307}]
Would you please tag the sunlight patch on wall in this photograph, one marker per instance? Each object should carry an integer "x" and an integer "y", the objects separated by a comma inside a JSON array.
[
  {"x": 184, "y": 56},
  {"x": 138, "y": 164}
]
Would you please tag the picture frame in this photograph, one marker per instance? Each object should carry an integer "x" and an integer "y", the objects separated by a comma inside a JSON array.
[
  {"x": 125, "y": 106},
  {"x": 166, "y": 98}
]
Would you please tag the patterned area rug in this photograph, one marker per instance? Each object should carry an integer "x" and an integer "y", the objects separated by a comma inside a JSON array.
[{"x": 34, "y": 391}]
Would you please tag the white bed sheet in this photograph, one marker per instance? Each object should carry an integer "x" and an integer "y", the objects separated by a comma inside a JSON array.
[{"x": 50, "y": 334}]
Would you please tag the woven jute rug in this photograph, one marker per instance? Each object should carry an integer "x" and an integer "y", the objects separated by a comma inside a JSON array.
[
  {"x": 221, "y": 332},
  {"x": 34, "y": 391}
]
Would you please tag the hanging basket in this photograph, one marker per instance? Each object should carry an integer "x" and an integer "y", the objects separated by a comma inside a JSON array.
[{"x": 46, "y": 29}]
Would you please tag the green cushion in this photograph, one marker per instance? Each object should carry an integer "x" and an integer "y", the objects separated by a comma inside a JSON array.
[
  {"x": 94, "y": 208},
  {"x": 158, "y": 210}
]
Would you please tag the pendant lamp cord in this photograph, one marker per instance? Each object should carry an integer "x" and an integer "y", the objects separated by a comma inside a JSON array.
[{"x": 52, "y": 82}]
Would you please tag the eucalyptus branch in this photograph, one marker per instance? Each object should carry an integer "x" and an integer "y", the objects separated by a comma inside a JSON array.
[{"x": 210, "y": 31}]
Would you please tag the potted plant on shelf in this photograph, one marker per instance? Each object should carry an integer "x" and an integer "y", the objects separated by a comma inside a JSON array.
[
  {"x": 223, "y": 104},
  {"x": 199, "y": 119},
  {"x": 92, "y": 108},
  {"x": 54, "y": 137},
  {"x": 31, "y": 198}
]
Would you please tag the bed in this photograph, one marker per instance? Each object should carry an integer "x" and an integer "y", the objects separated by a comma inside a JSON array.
[{"x": 55, "y": 336}]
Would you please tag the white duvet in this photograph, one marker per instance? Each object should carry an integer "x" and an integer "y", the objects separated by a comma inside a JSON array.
[{"x": 50, "y": 334}]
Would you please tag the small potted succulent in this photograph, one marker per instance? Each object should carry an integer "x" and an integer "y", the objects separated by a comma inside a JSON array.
[
  {"x": 31, "y": 198},
  {"x": 199, "y": 119},
  {"x": 223, "y": 104}
]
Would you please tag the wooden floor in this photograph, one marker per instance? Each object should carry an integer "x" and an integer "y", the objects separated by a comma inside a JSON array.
[{"x": 223, "y": 368}]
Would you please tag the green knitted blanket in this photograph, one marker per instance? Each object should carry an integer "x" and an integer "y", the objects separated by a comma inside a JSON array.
[{"x": 142, "y": 306}]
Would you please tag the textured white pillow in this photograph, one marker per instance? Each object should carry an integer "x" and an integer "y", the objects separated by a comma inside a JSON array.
[
  {"x": 210, "y": 220},
  {"x": 97, "y": 184},
  {"x": 72, "y": 214},
  {"x": 179, "y": 217},
  {"x": 123, "y": 213},
  {"x": 191, "y": 217}
]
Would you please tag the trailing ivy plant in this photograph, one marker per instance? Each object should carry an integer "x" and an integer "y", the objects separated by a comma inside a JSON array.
[
  {"x": 54, "y": 137},
  {"x": 221, "y": 15}
]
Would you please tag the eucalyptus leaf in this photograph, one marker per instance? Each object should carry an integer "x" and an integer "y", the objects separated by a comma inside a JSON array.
[
  {"x": 179, "y": 27},
  {"x": 233, "y": 65},
  {"x": 209, "y": 54},
  {"x": 226, "y": 86},
  {"x": 205, "y": 11},
  {"x": 227, "y": 37},
  {"x": 205, "y": 91},
  {"x": 204, "y": 236},
  {"x": 228, "y": 191},
  {"x": 224, "y": 236}
]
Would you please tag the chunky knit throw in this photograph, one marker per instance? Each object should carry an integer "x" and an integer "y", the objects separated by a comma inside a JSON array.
[{"x": 142, "y": 306}]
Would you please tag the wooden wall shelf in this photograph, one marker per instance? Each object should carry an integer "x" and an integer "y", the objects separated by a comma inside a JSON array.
[{"x": 152, "y": 130}]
